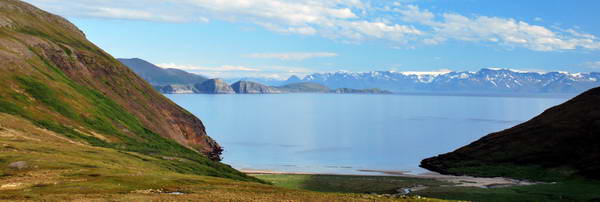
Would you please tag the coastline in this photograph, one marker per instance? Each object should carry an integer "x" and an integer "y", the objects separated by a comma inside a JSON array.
[{"x": 458, "y": 181}]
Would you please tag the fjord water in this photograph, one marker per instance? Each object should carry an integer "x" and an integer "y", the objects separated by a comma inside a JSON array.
[{"x": 347, "y": 133}]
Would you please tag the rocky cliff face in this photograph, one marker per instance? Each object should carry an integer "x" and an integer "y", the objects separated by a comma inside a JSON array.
[
  {"x": 48, "y": 67},
  {"x": 249, "y": 87},
  {"x": 214, "y": 86},
  {"x": 564, "y": 140}
]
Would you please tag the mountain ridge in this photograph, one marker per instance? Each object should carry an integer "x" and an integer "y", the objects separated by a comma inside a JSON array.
[
  {"x": 158, "y": 76},
  {"x": 486, "y": 80}
]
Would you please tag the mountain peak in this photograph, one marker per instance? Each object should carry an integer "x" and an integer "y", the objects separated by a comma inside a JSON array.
[{"x": 486, "y": 80}]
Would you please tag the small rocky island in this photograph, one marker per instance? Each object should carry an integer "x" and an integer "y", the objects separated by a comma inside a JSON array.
[
  {"x": 249, "y": 87},
  {"x": 212, "y": 86}
]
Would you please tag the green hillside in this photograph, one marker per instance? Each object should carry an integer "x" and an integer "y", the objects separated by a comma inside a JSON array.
[{"x": 56, "y": 79}]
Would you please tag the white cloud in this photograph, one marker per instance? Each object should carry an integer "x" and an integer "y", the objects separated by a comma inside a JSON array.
[
  {"x": 336, "y": 19},
  {"x": 504, "y": 31},
  {"x": 291, "y": 56},
  {"x": 235, "y": 71},
  {"x": 351, "y": 21}
]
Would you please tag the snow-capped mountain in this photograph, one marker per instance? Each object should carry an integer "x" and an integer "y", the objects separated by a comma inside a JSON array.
[{"x": 489, "y": 80}]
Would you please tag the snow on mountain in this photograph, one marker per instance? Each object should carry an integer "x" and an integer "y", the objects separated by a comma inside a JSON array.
[{"x": 488, "y": 80}]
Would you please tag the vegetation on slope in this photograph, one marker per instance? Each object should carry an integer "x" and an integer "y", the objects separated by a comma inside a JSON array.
[
  {"x": 53, "y": 77},
  {"x": 49, "y": 48}
]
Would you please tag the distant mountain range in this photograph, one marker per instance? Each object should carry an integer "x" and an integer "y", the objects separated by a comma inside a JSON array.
[
  {"x": 484, "y": 81},
  {"x": 489, "y": 80}
]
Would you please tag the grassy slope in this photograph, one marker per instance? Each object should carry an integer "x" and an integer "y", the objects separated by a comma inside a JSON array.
[
  {"x": 563, "y": 191},
  {"x": 90, "y": 117},
  {"x": 34, "y": 88}
]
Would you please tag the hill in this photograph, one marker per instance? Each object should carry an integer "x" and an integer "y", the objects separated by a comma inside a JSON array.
[
  {"x": 562, "y": 142},
  {"x": 304, "y": 87},
  {"x": 55, "y": 79},
  {"x": 158, "y": 76}
]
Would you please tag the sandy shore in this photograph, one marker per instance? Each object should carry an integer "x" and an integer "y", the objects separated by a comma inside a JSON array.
[{"x": 482, "y": 182}]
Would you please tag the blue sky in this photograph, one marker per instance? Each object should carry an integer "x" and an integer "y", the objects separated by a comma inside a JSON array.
[{"x": 278, "y": 38}]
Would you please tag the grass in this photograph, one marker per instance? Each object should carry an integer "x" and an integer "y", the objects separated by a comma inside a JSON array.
[
  {"x": 46, "y": 96},
  {"x": 575, "y": 190},
  {"x": 533, "y": 173},
  {"x": 347, "y": 183},
  {"x": 10, "y": 108},
  {"x": 571, "y": 190}
]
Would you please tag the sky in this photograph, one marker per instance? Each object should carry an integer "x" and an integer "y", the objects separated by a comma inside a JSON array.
[{"x": 280, "y": 38}]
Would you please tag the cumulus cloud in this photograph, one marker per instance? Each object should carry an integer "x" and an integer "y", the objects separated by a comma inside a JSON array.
[
  {"x": 504, "y": 31},
  {"x": 236, "y": 71},
  {"x": 291, "y": 56},
  {"x": 336, "y": 19},
  {"x": 398, "y": 22}
]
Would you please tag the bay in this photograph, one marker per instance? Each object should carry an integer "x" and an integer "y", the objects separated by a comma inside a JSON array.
[{"x": 351, "y": 133}]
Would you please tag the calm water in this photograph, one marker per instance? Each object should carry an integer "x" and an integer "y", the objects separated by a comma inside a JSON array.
[{"x": 333, "y": 133}]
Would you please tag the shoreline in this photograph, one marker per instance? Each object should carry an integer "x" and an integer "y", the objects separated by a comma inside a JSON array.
[{"x": 459, "y": 181}]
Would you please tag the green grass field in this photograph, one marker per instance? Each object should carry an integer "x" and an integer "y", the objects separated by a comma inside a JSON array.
[{"x": 573, "y": 190}]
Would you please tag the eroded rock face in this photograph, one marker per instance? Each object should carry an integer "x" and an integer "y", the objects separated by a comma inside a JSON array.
[
  {"x": 249, "y": 87},
  {"x": 214, "y": 86},
  {"x": 566, "y": 136}
]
